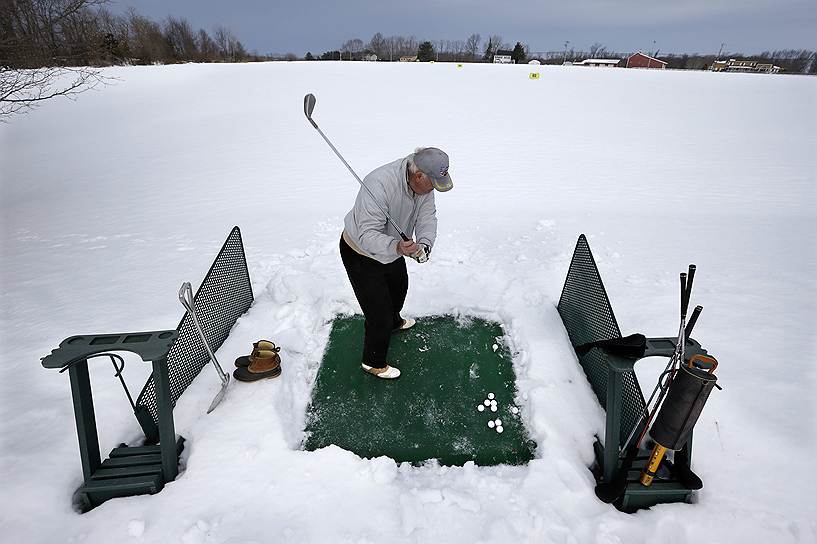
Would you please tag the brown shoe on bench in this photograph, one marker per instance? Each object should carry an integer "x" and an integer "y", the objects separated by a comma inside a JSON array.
[
  {"x": 264, "y": 364},
  {"x": 244, "y": 360}
]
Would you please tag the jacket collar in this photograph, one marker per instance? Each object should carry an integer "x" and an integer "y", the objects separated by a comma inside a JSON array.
[{"x": 406, "y": 187}]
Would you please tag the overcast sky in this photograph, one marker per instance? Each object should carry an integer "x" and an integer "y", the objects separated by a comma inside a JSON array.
[{"x": 749, "y": 26}]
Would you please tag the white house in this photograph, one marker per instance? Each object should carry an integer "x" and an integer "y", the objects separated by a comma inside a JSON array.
[
  {"x": 604, "y": 63},
  {"x": 503, "y": 56}
]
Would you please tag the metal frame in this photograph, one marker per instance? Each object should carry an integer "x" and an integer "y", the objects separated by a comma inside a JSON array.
[
  {"x": 177, "y": 358},
  {"x": 160, "y": 464},
  {"x": 223, "y": 296},
  {"x": 588, "y": 317}
]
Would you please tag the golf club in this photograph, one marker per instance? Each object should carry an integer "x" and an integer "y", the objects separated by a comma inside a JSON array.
[
  {"x": 677, "y": 358},
  {"x": 692, "y": 320},
  {"x": 309, "y": 105}
]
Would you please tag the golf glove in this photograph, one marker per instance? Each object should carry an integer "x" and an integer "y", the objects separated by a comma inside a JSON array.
[{"x": 422, "y": 254}]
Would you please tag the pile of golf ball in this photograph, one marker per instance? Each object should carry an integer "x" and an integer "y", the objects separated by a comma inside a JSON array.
[{"x": 491, "y": 404}]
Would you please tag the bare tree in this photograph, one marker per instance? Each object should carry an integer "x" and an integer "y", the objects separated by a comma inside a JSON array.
[
  {"x": 379, "y": 46},
  {"x": 38, "y": 37},
  {"x": 36, "y": 33},
  {"x": 180, "y": 38},
  {"x": 597, "y": 51},
  {"x": 147, "y": 43},
  {"x": 352, "y": 47},
  {"x": 208, "y": 51},
  {"x": 472, "y": 45},
  {"x": 23, "y": 89},
  {"x": 229, "y": 47}
]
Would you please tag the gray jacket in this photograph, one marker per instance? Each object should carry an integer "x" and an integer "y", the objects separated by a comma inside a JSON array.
[{"x": 368, "y": 227}]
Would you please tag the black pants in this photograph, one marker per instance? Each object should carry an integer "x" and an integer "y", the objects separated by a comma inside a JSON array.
[{"x": 381, "y": 291}]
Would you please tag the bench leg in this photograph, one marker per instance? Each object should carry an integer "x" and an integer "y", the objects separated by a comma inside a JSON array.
[
  {"x": 85, "y": 418},
  {"x": 613, "y": 425},
  {"x": 167, "y": 432}
]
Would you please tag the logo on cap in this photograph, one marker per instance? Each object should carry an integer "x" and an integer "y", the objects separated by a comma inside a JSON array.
[{"x": 444, "y": 172}]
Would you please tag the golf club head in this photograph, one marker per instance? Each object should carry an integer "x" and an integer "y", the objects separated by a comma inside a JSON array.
[
  {"x": 219, "y": 396},
  {"x": 309, "y": 105}
]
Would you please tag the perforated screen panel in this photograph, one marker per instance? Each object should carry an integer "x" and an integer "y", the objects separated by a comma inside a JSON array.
[
  {"x": 224, "y": 295},
  {"x": 588, "y": 317}
]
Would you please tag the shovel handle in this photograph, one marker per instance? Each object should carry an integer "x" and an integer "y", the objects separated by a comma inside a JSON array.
[{"x": 186, "y": 298}]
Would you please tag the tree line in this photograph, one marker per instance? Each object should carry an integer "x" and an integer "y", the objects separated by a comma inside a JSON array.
[
  {"x": 792, "y": 61},
  {"x": 39, "y": 33},
  {"x": 392, "y": 48}
]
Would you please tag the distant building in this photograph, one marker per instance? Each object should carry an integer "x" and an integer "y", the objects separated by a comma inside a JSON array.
[
  {"x": 751, "y": 66},
  {"x": 409, "y": 58},
  {"x": 767, "y": 68},
  {"x": 503, "y": 56},
  {"x": 604, "y": 63},
  {"x": 370, "y": 58},
  {"x": 640, "y": 60},
  {"x": 534, "y": 61}
]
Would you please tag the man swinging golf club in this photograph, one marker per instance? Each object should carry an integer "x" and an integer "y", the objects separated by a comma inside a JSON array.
[{"x": 395, "y": 199}]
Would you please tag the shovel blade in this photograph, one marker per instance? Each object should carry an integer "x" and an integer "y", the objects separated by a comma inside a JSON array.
[{"x": 219, "y": 396}]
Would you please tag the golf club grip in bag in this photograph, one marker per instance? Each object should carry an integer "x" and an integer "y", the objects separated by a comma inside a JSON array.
[{"x": 688, "y": 392}]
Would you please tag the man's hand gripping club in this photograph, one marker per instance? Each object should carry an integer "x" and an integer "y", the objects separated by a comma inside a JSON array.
[{"x": 419, "y": 252}]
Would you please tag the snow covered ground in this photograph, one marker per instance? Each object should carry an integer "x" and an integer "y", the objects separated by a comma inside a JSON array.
[{"x": 110, "y": 202}]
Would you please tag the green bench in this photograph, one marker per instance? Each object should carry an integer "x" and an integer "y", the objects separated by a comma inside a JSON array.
[
  {"x": 588, "y": 317},
  {"x": 177, "y": 356}
]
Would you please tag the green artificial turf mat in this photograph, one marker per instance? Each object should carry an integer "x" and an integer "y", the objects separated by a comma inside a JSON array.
[{"x": 448, "y": 366}]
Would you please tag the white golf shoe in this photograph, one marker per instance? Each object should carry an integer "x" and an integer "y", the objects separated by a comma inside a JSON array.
[
  {"x": 407, "y": 324},
  {"x": 387, "y": 372}
]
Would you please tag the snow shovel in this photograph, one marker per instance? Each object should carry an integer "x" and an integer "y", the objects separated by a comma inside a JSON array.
[{"x": 186, "y": 298}]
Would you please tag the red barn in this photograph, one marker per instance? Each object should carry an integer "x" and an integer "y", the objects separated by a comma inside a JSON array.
[{"x": 640, "y": 60}]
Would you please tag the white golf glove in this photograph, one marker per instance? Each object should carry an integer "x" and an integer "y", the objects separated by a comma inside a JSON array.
[{"x": 422, "y": 254}]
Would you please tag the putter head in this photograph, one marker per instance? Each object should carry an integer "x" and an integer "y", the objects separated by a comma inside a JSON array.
[
  {"x": 309, "y": 105},
  {"x": 219, "y": 396}
]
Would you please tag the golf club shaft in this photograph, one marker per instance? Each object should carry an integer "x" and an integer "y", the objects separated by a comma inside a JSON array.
[
  {"x": 393, "y": 224},
  {"x": 677, "y": 356}
]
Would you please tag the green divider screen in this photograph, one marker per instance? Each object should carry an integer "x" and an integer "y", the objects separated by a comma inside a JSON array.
[{"x": 448, "y": 365}]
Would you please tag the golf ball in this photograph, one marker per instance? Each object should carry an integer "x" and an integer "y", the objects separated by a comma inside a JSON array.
[
  {"x": 481, "y": 408},
  {"x": 495, "y": 347},
  {"x": 493, "y": 403},
  {"x": 493, "y": 407},
  {"x": 486, "y": 402},
  {"x": 499, "y": 428},
  {"x": 491, "y": 424},
  {"x": 498, "y": 422},
  {"x": 490, "y": 396},
  {"x": 514, "y": 410}
]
